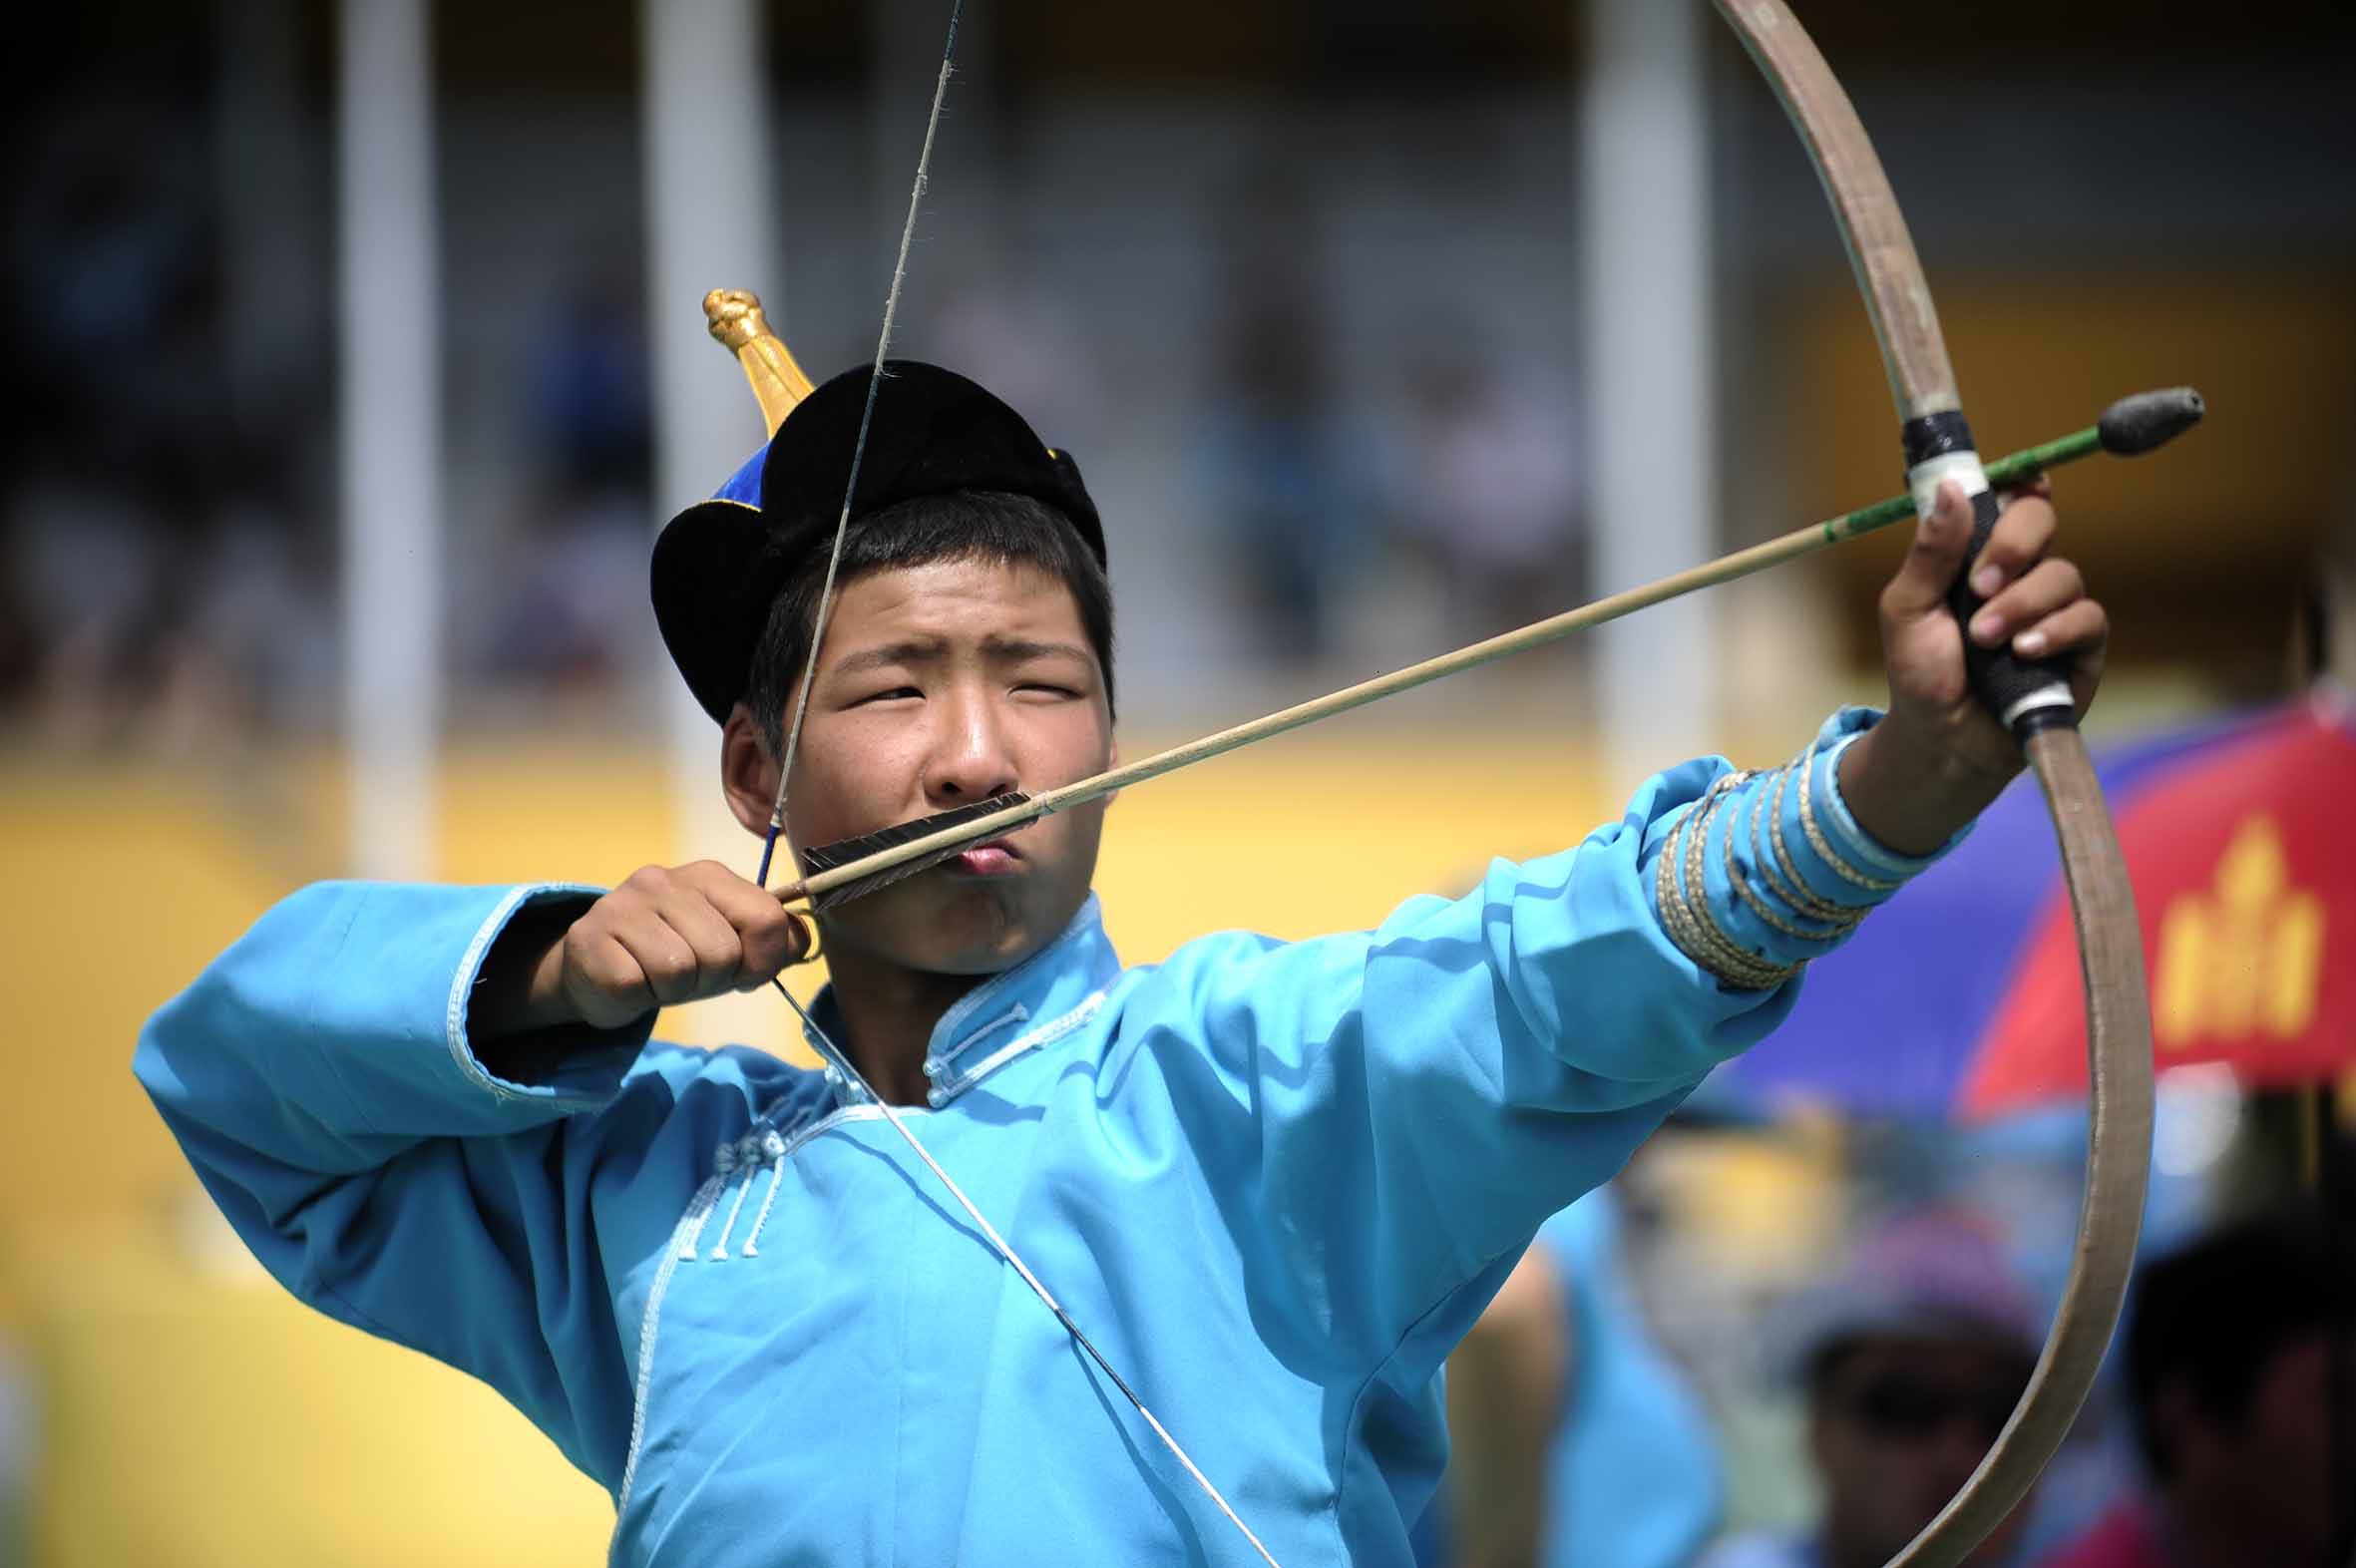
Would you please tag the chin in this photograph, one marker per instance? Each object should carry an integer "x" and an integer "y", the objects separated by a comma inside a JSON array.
[
  {"x": 959, "y": 928},
  {"x": 990, "y": 945},
  {"x": 937, "y": 953}
]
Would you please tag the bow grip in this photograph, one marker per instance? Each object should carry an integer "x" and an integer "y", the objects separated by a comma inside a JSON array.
[{"x": 2025, "y": 695}]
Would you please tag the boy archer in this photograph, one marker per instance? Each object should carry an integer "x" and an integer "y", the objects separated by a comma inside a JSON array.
[{"x": 1276, "y": 1181}]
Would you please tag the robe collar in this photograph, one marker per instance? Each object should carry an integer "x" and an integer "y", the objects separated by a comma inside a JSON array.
[{"x": 1034, "y": 1004}]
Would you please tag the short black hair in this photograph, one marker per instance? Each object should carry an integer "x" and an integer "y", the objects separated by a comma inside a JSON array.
[
  {"x": 2212, "y": 1315},
  {"x": 958, "y": 525}
]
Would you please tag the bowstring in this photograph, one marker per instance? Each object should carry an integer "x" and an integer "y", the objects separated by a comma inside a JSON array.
[
  {"x": 867, "y": 414},
  {"x": 836, "y": 1057},
  {"x": 839, "y": 1061}
]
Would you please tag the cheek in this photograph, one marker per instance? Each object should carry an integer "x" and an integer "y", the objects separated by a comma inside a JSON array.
[
  {"x": 849, "y": 783},
  {"x": 1072, "y": 837},
  {"x": 1067, "y": 744}
]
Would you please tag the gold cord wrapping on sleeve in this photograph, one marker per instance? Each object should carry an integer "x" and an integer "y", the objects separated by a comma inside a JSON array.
[
  {"x": 1815, "y": 834},
  {"x": 1681, "y": 891},
  {"x": 1787, "y": 883}
]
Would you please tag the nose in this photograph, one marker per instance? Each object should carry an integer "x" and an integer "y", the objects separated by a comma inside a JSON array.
[{"x": 971, "y": 760}]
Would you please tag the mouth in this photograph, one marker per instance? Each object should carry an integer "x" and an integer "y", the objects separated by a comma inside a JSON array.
[{"x": 997, "y": 857}]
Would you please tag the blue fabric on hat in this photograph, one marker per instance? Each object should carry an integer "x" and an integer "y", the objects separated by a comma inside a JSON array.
[{"x": 745, "y": 484}]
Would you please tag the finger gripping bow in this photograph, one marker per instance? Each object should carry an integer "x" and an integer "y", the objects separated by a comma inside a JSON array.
[{"x": 2034, "y": 701}]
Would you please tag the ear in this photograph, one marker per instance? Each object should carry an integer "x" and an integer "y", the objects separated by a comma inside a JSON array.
[{"x": 748, "y": 774}]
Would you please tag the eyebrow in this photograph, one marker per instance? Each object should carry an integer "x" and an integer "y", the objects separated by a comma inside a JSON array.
[{"x": 929, "y": 651}]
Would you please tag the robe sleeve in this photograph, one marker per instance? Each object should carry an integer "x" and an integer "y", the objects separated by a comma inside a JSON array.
[
  {"x": 319, "y": 1078},
  {"x": 1391, "y": 1115}
]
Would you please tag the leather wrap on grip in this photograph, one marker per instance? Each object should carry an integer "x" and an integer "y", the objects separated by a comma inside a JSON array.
[{"x": 2001, "y": 678}]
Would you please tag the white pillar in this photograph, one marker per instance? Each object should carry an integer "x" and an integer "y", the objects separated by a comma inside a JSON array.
[
  {"x": 1644, "y": 230},
  {"x": 710, "y": 197},
  {"x": 391, "y": 420}
]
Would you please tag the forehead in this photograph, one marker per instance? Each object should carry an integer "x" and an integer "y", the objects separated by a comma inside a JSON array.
[{"x": 966, "y": 599}]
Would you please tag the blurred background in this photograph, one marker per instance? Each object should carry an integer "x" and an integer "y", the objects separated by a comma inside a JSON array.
[{"x": 356, "y": 353}]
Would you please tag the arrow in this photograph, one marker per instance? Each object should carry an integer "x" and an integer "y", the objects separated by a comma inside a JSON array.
[{"x": 850, "y": 868}]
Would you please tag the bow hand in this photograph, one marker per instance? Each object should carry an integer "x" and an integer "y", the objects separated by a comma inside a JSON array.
[{"x": 1941, "y": 756}]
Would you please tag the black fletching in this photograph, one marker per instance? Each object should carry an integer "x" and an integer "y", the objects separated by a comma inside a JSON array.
[{"x": 842, "y": 852}]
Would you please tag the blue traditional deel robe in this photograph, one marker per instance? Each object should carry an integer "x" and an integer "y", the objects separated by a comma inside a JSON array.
[{"x": 1275, "y": 1182}]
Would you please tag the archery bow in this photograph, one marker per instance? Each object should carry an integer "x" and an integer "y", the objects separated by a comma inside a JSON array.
[{"x": 2035, "y": 704}]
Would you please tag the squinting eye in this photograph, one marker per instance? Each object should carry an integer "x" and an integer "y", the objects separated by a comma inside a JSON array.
[
  {"x": 895, "y": 693},
  {"x": 1041, "y": 685}
]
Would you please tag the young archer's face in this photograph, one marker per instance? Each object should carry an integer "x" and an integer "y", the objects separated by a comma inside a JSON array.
[{"x": 940, "y": 685}]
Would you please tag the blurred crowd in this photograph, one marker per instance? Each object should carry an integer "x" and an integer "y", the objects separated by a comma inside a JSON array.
[
  {"x": 2223, "y": 1435},
  {"x": 167, "y": 507},
  {"x": 158, "y": 562}
]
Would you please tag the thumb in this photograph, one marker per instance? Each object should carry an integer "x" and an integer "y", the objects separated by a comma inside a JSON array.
[
  {"x": 1936, "y": 558},
  {"x": 781, "y": 940}
]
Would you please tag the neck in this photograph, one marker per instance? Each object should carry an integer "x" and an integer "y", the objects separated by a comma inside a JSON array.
[{"x": 888, "y": 1016}]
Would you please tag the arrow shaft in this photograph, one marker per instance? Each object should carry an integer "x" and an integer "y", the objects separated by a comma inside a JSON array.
[{"x": 1538, "y": 633}]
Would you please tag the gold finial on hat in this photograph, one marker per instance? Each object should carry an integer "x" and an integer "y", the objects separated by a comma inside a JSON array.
[{"x": 734, "y": 318}]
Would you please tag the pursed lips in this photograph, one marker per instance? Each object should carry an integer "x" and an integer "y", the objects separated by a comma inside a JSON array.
[{"x": 996, "y": 858}]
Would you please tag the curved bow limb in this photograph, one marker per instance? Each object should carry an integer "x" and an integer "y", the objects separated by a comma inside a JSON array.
[{"x": 2037, "y": 708}]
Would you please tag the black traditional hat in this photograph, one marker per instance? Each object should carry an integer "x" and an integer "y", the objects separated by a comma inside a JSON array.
[{"x": 718, "y": 565}]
